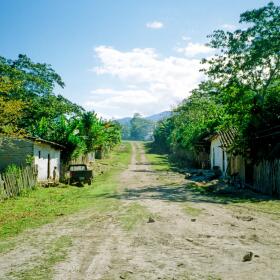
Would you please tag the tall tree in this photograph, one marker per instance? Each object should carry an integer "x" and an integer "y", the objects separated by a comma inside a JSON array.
[{"x": 247, "y": 69}]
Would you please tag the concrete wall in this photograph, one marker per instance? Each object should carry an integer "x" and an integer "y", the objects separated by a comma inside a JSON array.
[
  {"x": 14, "y": 151},
  {"x": 218, "y": 157},
  {"x": 41, "y": 152}
]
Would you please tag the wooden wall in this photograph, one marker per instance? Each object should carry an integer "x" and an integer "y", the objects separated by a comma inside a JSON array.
[
  {"x": 266, "y": 177},
  {"x": 237, "y": 166},
  {"x": 12, "y": 184}
]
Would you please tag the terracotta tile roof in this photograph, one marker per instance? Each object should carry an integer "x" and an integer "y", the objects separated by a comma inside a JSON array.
[
  {"x": 227, "y": 137},
  {"x": 40, "y": 140}
]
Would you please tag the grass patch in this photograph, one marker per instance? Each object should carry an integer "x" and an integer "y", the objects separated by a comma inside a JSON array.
[
  {"x": 192, "y": 211},
  {"x": 43, "y": 269},
  {"x": 210, "y": 277},
  {"x": 42, "y": 206},
  {"x": 133, "y": 215},
  {"x": 159, "y": 162}
]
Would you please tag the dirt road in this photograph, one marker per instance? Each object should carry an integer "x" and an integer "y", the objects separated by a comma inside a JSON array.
[{"x": 159, "y": 230}]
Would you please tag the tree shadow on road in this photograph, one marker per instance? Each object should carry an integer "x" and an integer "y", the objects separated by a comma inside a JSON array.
[{"x": 191, "y": 193}]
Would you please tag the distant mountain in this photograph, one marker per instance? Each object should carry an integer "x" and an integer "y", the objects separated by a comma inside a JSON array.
[
  {"x": 124, "y": 121},
  {"x": 154, "y": 118},
  {"x": 160, "y": 116}
]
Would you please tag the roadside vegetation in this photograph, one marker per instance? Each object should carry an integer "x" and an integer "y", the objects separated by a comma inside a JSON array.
[
  {"x": 29, "y": 106},
  {"x": 43, "y": 205},
  {"x": 241, "y": 92}
]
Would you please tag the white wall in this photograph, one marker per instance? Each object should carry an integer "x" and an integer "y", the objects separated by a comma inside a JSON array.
[
  {"x": 216, "y": 155},
  {"x": 42, "y": 162}
]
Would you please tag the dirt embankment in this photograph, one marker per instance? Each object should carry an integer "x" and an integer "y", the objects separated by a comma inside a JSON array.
[{"x": 174, "y": 234}]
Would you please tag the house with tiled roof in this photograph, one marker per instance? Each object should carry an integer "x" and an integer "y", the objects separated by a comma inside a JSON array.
[
  {"x": 43, "y": 154},
  {"x": 222, "y": 157}
]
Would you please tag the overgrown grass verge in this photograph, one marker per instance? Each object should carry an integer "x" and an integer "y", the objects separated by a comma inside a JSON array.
[
  {"x": 42, "y": 206},
  {"x": 133, "y": 215},
  {"x": 56, "y": 252}
]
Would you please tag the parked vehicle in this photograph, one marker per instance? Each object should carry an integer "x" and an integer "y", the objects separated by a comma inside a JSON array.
[{"x": 79, "y": 174}]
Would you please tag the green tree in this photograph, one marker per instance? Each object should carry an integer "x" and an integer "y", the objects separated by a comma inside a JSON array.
[
  {"x": 247, "y": 70},
  {"x": 28, "y": 103},
  {"x": 11, "y": 110},
  {"x": 141, "y": 128}
]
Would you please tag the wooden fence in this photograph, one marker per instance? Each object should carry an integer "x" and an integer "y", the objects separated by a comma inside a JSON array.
[
  {"x": 267, "y": 177},
  {"x": 11, "y": 184}
]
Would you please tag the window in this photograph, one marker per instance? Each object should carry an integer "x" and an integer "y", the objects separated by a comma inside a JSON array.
[{"x": 39, "y": 154}]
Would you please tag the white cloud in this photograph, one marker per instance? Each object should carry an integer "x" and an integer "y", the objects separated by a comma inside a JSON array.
[
  {"x": 146, "y": 82},
  {"x": 186, "y": 38},
  {"x": 154, "y": 25},
  {"x": 194, "y": 49},
  {"x": 229, "y": 27}
]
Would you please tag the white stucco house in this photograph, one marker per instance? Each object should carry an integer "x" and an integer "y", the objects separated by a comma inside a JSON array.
[
  {"x": 218, "y": 155},
  {"x": 45, "y": 155},
  {"x": 229, "y": 163}
]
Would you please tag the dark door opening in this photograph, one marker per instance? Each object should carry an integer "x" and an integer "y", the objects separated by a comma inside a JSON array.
[
  {"x": 49, "y": 166},
  {"x": 224, "y": 161},
  {"x": 249, "y": 173}
]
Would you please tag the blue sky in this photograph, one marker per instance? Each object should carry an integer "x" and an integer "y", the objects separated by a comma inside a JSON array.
[{"x": 119, "y": 57}]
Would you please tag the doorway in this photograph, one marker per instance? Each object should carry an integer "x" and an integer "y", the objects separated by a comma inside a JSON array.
[{"x": 49, "y": 167}]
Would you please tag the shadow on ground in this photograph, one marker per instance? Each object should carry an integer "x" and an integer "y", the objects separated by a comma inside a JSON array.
[{"x": 191, "y": 193}]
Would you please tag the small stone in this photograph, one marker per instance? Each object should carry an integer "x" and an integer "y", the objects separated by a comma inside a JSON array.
[
  {"x": 193, "y": 220},
  {"x": 245, "y": 218},
  {"x": 248, "y": 257},
  {"x": 151, "y": 220},
  {"x": 256, "y": 256}
]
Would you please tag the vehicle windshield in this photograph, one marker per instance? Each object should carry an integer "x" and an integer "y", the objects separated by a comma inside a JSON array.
[{"x": 77, "y": 168}]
